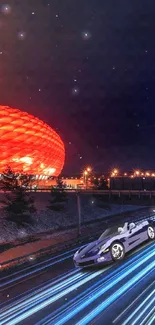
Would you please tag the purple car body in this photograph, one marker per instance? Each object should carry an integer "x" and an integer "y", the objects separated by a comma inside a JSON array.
[{"x": 114, "y": 243}]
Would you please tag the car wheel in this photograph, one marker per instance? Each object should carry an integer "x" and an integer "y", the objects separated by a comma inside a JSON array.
[
  {"x": 151, "y": 232},
  {"x": 117, "y": 251}
]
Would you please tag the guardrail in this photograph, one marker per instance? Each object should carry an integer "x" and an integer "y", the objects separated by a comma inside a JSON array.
[{"x": 108, "y": 192}]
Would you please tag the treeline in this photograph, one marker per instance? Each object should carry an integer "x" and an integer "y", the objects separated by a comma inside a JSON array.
[{"x": 18, "y": 204}]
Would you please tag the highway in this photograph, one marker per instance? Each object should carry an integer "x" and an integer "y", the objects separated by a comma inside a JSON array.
[{"x": 52, "y": 291}]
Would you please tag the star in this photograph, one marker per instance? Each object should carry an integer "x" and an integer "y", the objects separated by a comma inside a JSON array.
[
  {"x": 75, "y": 91},
  {"x": 21, "y": 35},
  {"x": 6, "y": 9},
  {"x": 86, "y": 35}
]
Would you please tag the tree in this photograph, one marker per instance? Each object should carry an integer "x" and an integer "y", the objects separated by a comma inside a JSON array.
[
  {"x": 58, "y": 197},
  {"x": 17, "y": 203},
  {"x": 99, "y": 183}
]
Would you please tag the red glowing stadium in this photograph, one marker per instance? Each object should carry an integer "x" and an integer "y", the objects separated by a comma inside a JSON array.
[{"x": 27, "y": 144}]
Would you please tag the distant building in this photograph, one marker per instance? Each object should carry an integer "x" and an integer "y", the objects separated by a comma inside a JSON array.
[
  {"x": 28, "y": 144},
  {"x": 132, "y": 183}
]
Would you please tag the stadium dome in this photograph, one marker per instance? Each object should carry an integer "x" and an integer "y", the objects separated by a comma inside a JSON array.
[{"x": 27, "y": 144}]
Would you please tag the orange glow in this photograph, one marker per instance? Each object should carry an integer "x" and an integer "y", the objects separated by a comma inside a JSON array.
[
  {"x": 28, "y": 144},
  {"x": 125, "y": 174},
  {"x": 147, "y": 174},
  {"x": 137, "y": 172},
  {"x": 85, "y": 172},
  {"x": 89, "y": 169}
]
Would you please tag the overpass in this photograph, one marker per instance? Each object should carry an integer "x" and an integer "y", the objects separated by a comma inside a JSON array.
[{"x": 110, "y": 193}]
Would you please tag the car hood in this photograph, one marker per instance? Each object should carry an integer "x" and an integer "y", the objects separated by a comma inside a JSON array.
[{"x": 95, "y": 244}]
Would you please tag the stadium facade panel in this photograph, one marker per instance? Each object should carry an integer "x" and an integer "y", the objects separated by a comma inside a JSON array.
[{"x": 28, "y": 144}]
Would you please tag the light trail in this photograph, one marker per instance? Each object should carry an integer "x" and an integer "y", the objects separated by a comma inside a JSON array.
[
  {"x": 133, "y": 302},
  {"x": 91, "y": 290},
  {"x": 148, "y": 304},
  {"x": 36, "y": 268},
  {"x": 151, "y": 321},
  {"x": 126, "y": 270},
  {"x": 21, "y": 316},
  {"x": 39, "y": 289},
  {"x": 49, "y": 283},
  {"x": 96, "y": 311},
  {"x": 50, "y": 290},
  {"x": 100, "y": 291}
]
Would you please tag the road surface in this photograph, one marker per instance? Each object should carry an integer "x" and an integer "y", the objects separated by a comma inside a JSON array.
[{"x": 52, "y": 291}]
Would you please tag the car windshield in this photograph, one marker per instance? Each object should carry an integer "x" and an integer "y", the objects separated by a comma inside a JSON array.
[{"x": 117, "y": 229}]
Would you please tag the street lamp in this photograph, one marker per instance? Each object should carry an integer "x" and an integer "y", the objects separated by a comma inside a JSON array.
[
  {"x": 85, "y": 175},
  {"x": 114, "y": 172}
]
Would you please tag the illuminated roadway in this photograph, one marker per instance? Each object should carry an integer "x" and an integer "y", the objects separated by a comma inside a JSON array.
[{"x": 53, "y": 292}]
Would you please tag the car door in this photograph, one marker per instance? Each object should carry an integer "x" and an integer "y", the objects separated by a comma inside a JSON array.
[{"x": 134, "y": 236}]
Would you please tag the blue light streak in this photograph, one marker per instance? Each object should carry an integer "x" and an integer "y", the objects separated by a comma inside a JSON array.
[
  {"x": 116, "y": 295},
  {"x": 36, "y": 268},
  {"x": 139, "y": 307}
]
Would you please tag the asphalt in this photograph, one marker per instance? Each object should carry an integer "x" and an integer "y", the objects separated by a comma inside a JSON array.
[{"x": 51, "y": 291}]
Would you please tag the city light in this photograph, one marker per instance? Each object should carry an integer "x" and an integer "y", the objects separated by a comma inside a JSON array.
[{"x": 114, "y": 172}]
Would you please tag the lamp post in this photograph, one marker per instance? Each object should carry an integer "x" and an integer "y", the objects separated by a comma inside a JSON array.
[{"x": 85, "y": 175}]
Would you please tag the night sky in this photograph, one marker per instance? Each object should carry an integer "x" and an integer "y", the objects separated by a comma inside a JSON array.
[{"x": 87, "y": 68}]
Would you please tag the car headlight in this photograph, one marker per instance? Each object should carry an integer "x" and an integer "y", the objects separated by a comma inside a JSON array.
[{"x": 103, "y": 250}]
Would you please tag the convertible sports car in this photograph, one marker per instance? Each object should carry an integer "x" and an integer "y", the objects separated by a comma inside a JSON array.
[{"x": 114, "y": 243}]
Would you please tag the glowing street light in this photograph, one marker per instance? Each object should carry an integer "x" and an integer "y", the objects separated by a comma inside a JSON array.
[{"x": 114, "y": 172}]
